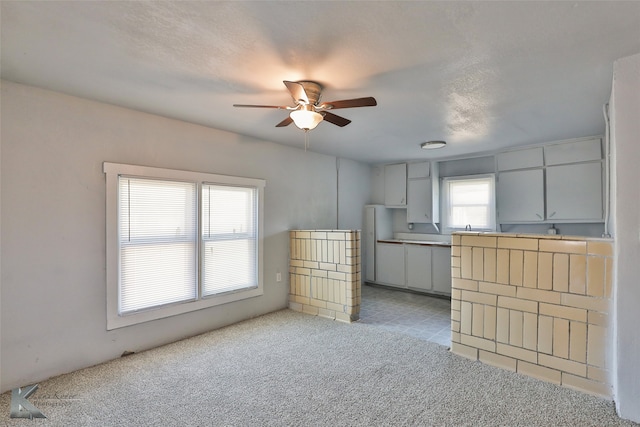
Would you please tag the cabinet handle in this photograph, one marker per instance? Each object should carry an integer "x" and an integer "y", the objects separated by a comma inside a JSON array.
[
  {"x": 551, "y": 216},
  {"x": 539, "y": 216}
]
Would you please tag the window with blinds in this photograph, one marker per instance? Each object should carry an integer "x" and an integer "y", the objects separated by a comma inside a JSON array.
[
  {"x": 179, "y": 241},
  {"x": 469, "y": 202},
  {"x": 158, "y": 242},
  {"x": 229, "y": 226}
]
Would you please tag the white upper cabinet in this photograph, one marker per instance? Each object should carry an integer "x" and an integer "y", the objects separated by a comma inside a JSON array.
[
  {"x": 560, "y": 182},
  {"x": 520, "y": 196},
  {"x": 422, "y": 193},
  {"x": 574, "y": 192},
  {"x": 573, "y": 152},
  {"x": 418, "y": 170},
  {"x": 556, "y": 183},
  {"x": 420, "y": 206},
  {"x": 520, "y": 159},
  {"x": 395, "y": 185}
]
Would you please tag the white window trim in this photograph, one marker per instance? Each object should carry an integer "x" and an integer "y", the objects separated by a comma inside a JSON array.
[
  {"x": 113, "y": 171},
  {"x": 444, "y": 203}
]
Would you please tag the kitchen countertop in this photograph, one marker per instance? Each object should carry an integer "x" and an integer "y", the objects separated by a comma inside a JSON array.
[{"x": 416, "y": 242}]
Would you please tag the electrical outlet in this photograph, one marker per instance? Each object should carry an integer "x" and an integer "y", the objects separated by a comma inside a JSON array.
[{"x": 278, "y": 277}]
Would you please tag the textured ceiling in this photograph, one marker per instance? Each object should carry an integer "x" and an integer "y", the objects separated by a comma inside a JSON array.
[{"x": 481, "y": 75}]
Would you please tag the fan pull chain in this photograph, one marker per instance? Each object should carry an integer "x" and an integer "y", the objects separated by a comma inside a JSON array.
[{"x": 306, "y": 139}]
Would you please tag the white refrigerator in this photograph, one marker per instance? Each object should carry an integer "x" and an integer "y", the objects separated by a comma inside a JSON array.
[{"x": 377, "y": 225}]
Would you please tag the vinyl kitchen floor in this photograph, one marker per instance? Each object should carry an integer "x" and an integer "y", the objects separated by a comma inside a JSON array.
[{"x": 421, "y": 316}]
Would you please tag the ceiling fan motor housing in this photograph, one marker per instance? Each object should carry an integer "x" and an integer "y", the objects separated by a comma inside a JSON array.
[{"x": 312, "y": 89}]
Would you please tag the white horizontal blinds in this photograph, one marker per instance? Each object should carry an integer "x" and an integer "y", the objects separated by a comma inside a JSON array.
[
  {"x": 158, "y": 234},
  {"x": 229, "y": 238},
  {"x": 470, "y": 203}
]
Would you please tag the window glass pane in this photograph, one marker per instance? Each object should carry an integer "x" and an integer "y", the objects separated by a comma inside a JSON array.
[
  {"x": 229, "y": 265},
  {"x": 154, "y": 209},
  {"x": 470, "y": 202},
  {"x": 476, "y": 216},
  {"x": 228, "y": 210},
  {"x": 229, "y": 233},
  {"x": 157, "y": 274},
  {"x": 468, "y": 193},
  {"x": 157, "y": 242}
]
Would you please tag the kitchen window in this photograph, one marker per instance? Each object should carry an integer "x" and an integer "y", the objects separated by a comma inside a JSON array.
[
  {"x": 179, "y": 241},
  {"x": 469, "y": 202}
]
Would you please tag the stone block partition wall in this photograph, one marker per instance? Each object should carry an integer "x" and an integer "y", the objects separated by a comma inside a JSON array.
[
  {"x": 534, "y": 304},
  {"x": 324, "y": 273}
]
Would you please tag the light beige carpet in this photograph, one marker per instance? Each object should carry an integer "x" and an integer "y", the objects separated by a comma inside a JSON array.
[{"x": 291, "y": 369}]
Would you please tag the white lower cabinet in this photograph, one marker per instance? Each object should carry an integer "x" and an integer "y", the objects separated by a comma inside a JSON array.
[
  {"x": 390, "y": 264},
  {"x": 418, "y": 260},
  {"x": 413, "y": 266},
  {"x": 441, "y": 270}
]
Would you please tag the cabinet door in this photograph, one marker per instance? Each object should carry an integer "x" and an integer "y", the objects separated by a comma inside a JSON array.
[
  {"x": 520, "y": 159},
  {"x": 418, "y": 267},
  {"x": 369, "y": 244},
  {"x": 419, "y": 201},
  {"x": 573, "y": 152},
  {"x": 574, "y": 192},
  {"x": 390, "y": 264},
  {"x": 520, "y": 196},
  {"x": 395, "y": 185},
  {"x": 441, "y": 269},
  {"x": 418, "y": 170}
]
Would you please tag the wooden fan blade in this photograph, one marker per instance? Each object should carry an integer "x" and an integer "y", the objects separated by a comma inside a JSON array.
[
  {"x": 350, "y": 103},
  {"x": 297, "y": 91},
  {"x": 285, "y": 122},
  {"x": 336, "y": 120},
  {"x": 279, "y": 107}
]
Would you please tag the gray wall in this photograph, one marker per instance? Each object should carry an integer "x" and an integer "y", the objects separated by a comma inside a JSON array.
[
  {"x": 625, "y": 133},
  {"x": 53, "y": 309},
  {"x": 354, "y": 191},
  {"x": 377, "y": 185}
]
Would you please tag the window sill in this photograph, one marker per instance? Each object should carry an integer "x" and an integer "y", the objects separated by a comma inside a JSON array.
[{"x": 117, "y": 321}]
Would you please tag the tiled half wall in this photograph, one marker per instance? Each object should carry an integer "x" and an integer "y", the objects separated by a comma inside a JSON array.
[
  {"x": 324, "y": 273},
  {"x": 534, "y": 304}
]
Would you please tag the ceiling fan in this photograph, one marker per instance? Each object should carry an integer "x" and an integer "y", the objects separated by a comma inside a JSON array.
[{"x": 308, "y": 111}]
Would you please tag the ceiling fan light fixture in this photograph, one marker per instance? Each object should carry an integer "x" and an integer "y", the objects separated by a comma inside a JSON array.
[
  {"x": 432, "y": 145},
  {"x": 306, "y": 119},
  {"x": 307, "y": 112}
]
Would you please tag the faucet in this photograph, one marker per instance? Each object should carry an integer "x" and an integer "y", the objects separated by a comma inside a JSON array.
[{"x": 467, "y": 227}]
